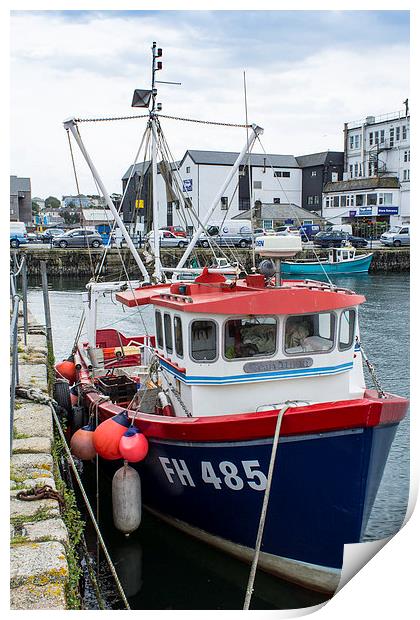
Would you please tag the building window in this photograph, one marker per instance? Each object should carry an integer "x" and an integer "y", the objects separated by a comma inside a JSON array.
[
  {"x": 351, "y": 142},
  {"x": 357, "y": 141},
  {"x": 188, "y": 169},
  {"x": 244, "y": 204},
  {"x": 385, "y": 198},
  {"x": 257, "y": 184},
  {"x": 310, "y": 333},
  {"x": 391, "y": 137},
  {"x": 406, "y": 175},
  {"x": 406, "y": 156},
  {"x": 310, "y": 200},
  {"x": 371, "y": 138},
  {"x": 281, "y": 173},
  {"x": 276, "y": 201},
  {"x": 372, "y": 199},
  {"x": 316, "y": 200},
  {"x": 313, "y": 173},
  {"x": 203, "y": 341},
  {"x": 334, "y": 177},
  {"x": 169, "y": 208},
  {"x": 360, "y": 200},
  {"x": 224, "y": 203},
  {"x": 336, "y": 201},
  {"x": 397, "y": 134},
  {"x": 382, "y": 136},
  {"x": 351, "y": 170},
  {"x": 267, "y": 224},
  {"x": 250, "y": 337},
  {"x": 376, "y": 137},
  {"x": 404, "y": 132},
  {"x": 343, "y": 201}
]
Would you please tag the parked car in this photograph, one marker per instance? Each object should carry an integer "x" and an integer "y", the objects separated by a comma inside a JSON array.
[
  {"x": 78, "y": 238},
  {"x": 287, "y": 230},
  {"x": 178, "y": 231},
  {"x": 308, "y": 231},
  {"x": 396, "y": 236},
  {"x": 50, "y": 233},
  {"x": 18, "y": 234},
  {"x": 335, "y": 238},
  {"x": 167, "y": 239},
  {"x": 239, "y": 241}
]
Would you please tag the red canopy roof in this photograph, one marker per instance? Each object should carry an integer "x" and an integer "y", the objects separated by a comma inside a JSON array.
[{"x": 246, "y": 297}]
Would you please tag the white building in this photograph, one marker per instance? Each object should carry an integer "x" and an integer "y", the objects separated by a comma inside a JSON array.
[
  {"x": 273, "y": 179},
  {"x": 376, "y": 179}
]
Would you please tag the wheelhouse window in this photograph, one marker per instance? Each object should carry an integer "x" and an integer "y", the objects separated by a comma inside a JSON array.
[
  {"x": 346, "y": 331},
  {"x": 159, "y": 331},
  {"x": 203, "y": 341},
  {"x": 250, "y": 337},
  {"x": 179, "y": 344},
  {"x": 309, "y": 333},
  {"x": 168, "y": 333}
]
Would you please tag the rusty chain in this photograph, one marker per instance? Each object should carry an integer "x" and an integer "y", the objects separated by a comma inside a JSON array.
[
  {"x": 37, "y": 493},
  {"x": 174, "y": 118}
]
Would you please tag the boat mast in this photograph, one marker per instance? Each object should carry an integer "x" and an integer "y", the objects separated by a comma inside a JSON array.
[{"x": 156, "y": 53}]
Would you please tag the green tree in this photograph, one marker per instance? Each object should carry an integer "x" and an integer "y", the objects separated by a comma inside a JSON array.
[
  {"x": 52, "y": 202},
  {"x": 35, "y": 208}
]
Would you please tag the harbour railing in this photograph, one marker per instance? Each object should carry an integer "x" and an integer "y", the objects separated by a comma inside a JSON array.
[{"x": 16, "y": 299}]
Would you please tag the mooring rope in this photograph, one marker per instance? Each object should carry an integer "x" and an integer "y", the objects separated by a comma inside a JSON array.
[
  {"x": 372, "y": 372},
  {"x": 251, "y": 579}
]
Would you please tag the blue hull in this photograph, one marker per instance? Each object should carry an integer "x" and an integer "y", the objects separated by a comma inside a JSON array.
[
  {"x": 322, "y": 492},
  {"x": 360, "y": 265}
]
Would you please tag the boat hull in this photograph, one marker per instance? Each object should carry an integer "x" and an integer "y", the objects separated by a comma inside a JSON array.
[{"x": 358, "y": 265}]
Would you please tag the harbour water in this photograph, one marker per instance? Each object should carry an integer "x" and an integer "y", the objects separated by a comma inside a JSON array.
[{"x": 161, "y": 568}]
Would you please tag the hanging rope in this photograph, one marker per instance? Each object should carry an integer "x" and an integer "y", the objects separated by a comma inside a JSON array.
[
  {"x": 372, "y": 372},
  {"x": 251, "y": 580}
]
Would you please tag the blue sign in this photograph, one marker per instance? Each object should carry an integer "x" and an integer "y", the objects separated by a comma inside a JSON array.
[
  {"x": 365, "y": 211},
  {"x": 352, "y": 213},
  {"x": 289, "y": 221},
  {"x": 388, "y": 210},
  {"x": 187, "y": 185}
]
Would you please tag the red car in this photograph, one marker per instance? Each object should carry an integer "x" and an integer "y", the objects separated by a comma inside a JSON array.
[{"x": 178, "y": 231}]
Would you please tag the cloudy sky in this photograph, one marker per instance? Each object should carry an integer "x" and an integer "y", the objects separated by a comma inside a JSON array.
[{"x": 307, "y": 73}]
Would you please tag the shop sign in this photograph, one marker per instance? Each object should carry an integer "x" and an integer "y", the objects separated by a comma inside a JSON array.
[
  {"x": 352, "y": 213},
  {"x": 365, "y": 211},
  {"x": 388, "y": 210},
  {"x": 187, "y": 185}
]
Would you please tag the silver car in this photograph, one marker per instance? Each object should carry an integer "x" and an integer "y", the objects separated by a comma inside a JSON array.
[
  {"x": 78, "y": 238},
  {"x": 168, "y": 239}
]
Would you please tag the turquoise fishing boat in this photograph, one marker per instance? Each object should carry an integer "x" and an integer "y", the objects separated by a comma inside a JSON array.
[{"x": 339, "y": 261}]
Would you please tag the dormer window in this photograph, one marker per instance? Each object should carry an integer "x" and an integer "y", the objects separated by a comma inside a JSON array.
[{"x": 250, "y": 337}]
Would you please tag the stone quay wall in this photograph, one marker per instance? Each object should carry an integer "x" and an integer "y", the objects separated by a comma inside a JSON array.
[{"x": 79, "y": 262}]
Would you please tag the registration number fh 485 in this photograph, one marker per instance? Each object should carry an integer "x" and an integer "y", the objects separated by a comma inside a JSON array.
[{"x": 224, "y": 473}]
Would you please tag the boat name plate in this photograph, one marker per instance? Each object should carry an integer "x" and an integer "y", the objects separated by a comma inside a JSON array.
[{"x": 269, "y": 366}]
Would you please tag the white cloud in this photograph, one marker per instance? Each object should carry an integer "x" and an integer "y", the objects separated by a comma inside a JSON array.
[{"x": 90, "y": 68}]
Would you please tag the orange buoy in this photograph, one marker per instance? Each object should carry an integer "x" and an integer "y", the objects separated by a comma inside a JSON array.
[
  {"x": 66, "y": 370},
  {"x": 133, "y": 445},
  {"x": 107, "y": 435},
  {"x": 81, "y": 444}
]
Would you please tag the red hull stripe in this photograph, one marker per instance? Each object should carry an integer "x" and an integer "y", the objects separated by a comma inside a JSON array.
[{"x": 322, "y": 417}]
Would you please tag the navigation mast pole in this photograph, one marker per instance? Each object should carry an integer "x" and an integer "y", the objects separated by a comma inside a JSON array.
[{"x": 156, "y": 53}]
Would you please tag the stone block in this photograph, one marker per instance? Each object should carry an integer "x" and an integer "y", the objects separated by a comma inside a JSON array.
[
  {"x": 38, "y": 564},
  {"x": 29, "y": 464},
  {"x": 49, "y": 529},
  {"x": 35, "y": 445},
  {"x": 23, "y": 509},
  {"x": 33, "y": 375},
  {"x": 50, "y": 596},
  {"x": 33, "y": 420},
  {"x": 37, "y": 341}
]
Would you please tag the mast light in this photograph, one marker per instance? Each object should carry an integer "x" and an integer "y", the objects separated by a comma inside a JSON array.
[{"x": 141, "y": 98}]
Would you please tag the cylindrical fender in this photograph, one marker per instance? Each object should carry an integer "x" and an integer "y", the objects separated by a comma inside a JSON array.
[{"x": 165, "y": 404}]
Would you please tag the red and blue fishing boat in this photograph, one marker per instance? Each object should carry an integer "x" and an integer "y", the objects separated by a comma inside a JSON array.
[{"x": 237, "y": 374}]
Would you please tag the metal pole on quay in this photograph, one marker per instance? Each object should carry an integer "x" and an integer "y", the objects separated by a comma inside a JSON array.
[{"x": 48, "y": 327}]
